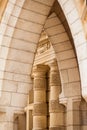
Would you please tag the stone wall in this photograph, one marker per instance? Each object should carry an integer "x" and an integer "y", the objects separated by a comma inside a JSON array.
[{"x": 20, "y": 29}]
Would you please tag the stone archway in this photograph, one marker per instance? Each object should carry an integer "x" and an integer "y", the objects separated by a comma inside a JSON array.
[
  {"x": 9, "y": 22},
  {"x": 66, "y": 54},
  {"x": 46, "y": 90},
  {"x": 67, "y": 63},
  {"x": 15, "y": 73}
]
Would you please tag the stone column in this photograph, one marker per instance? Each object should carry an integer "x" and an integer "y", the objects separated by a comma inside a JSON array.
[
  {"x": 73, "y": 114},
  {"x": 56, "y": 110},
  {"x": 40, "y": 106}
]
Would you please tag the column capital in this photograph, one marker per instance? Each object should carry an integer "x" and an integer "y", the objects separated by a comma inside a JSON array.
[
  {"x": 53, "y": 65},
  {"x": 65, "y": 101},
  {"x": 39, "y": 70}
]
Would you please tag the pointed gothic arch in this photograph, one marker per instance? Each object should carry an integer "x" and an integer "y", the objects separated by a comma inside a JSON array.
[{"x": 18, "y": 38}]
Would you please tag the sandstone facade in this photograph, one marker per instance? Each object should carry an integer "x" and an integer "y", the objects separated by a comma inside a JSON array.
[{"x": 43, "y": 64}]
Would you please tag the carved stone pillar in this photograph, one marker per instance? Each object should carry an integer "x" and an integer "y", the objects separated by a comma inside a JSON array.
[
  {"x": 73, "y": 114},
  {"x": 40, "y": 105},
  {"x": 56, "y": 110}
]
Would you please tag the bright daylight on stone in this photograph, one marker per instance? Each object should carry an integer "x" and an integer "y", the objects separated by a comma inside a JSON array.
[{"x": 43, "y": 64}]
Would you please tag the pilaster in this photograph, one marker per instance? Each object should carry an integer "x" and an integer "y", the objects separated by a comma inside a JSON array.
[{"x": 73, "y": 114}]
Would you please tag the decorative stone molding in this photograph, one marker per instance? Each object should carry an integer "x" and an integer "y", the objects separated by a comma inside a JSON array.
[{"x": 43, "y": 46}]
